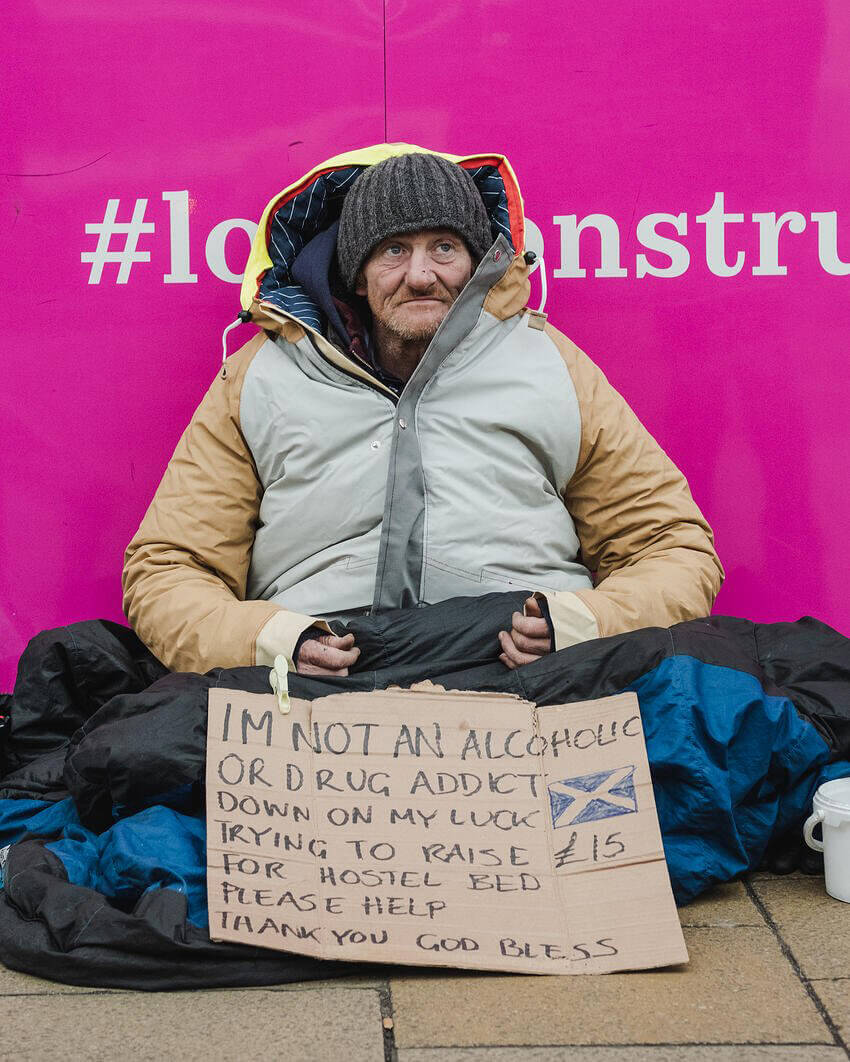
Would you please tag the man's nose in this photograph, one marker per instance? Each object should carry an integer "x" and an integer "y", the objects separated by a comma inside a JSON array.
[{"x": 420, "y": 271}]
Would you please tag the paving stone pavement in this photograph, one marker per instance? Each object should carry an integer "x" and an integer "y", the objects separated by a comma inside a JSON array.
[{"x": 768, "y": 981}]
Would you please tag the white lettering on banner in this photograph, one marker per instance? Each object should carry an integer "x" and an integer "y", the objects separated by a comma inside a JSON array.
[
  {"x": 715, "y": 220},
  {"x": 769, "y": 230},
  {"x": 533, "y": 243},
  {"x": 609, "y": 237},
  {"x": 179, "y": 218},
  {"x": 110, "y": 227},
  {"x": 216, "y": 244},
  {"x": 652, "y": 240},
  {"x": 178, "y": 214},
  {"x": 771, "y": 227},
  {"x": 827, "y": 223}
]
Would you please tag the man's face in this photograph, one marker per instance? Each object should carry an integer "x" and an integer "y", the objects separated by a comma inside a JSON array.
[{"x": 411, "y": 280}]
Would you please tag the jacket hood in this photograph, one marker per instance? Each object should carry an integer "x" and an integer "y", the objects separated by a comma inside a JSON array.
[{"x": 312, "y": 204}]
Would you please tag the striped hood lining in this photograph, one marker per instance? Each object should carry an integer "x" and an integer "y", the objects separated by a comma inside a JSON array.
[{"x": 305, "y": 209}]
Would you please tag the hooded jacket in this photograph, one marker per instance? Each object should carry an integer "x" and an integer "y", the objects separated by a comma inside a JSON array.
[{"x": 306, "y": 487}]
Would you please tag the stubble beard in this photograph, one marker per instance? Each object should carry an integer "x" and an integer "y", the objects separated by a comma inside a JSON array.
[
  {"x": 401, "y": 343},
  {"x": 410, "y": 333},
  {"x": 400, "y": 325}
]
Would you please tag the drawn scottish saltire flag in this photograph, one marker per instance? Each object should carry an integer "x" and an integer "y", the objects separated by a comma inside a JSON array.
[{"x": 593, "y": 796}]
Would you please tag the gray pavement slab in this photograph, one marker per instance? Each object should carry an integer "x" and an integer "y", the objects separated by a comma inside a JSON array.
[
  {"x": 311, "y": 1025},
  {"x": 724, "y": 905},
  {"x": 815, "y": 926},
  {"x": 13, "y": 983},
  {"x": 835, "y": 996},
  {"x": 622, "y": 1053},
  {"x": 737, "y": 988}
]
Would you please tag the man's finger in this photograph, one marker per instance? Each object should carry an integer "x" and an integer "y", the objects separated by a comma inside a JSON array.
[
  {"x": 319, "y": 653},
  {"x": 335, "y": 641},
  {"x": 511, "y": 651},
  {"x": 530, "y": 626},
  {"x": 532, "y": 607},
  {"x": 311, "y": 669},
  {"x": 329, "y": 656},
  {"x": 536, "y": 646}
]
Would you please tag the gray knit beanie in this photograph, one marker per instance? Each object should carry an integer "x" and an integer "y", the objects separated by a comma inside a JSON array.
[{"x": 404, "y": 194}]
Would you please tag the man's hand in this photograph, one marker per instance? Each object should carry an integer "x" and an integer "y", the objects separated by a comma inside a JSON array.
[
  {"x": 326, "y": 654},
  {"x": 528, "y": 639}
]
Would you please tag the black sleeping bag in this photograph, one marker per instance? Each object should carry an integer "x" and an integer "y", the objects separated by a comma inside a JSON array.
[{"x": 101, "y": 802}]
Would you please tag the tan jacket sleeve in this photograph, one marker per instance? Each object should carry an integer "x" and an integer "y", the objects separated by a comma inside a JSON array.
[
  {"x": 185, "y": 570},
  {"x": 639, "y": 527}
]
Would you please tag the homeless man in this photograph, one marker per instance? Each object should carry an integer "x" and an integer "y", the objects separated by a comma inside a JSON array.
[{"x": 404, "y": 430}]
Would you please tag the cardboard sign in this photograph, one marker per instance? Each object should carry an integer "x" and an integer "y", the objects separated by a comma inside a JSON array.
[{"x": 438, "y": 829}]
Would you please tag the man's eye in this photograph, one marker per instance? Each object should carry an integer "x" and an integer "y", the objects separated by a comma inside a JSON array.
[
  {"x": 445, "y": 248},
  {"x": 394, "y": 250}
]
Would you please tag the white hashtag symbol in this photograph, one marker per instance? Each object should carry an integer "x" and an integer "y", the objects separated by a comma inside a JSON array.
[{"x": 109, "y": 227}]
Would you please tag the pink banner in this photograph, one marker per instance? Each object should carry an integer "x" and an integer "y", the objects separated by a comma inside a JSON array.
[{"x": 686, "y": 169}]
